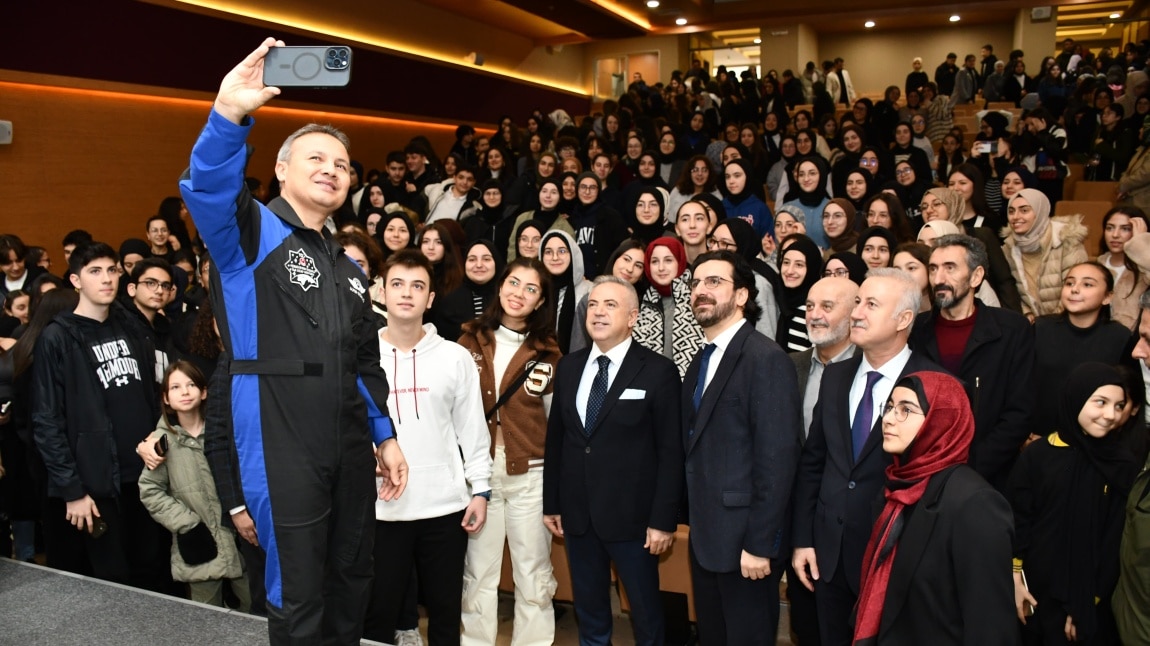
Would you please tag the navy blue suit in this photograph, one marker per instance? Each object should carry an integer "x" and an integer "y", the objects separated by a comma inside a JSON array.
[{"x": 742, "y": 449}]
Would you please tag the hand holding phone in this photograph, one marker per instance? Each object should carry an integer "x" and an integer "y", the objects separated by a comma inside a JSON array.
[{"x": 314, "y": 67}]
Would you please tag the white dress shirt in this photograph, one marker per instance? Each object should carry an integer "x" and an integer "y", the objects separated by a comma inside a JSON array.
[
  {"x": 882, "y": 388},
  {"x": 721, "y": 342},
  {"x": 616, "y": 355}
]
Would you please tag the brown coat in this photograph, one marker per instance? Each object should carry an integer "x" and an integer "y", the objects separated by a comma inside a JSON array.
[
  {"x": 523, "y": 418},
  {"x": 1065, "y": 251}
]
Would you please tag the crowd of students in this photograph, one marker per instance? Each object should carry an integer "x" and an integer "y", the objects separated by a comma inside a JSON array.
[{"x": 114, "y": 389}]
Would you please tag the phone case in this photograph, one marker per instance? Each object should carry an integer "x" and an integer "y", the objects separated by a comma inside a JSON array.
[{"x": 311, "y": 67}]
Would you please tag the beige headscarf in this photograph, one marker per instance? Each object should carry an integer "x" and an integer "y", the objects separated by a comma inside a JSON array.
[
  {"x": 941, "y": 228},
  {"x": 955, "y": 205},
  {"x": 1031, "y": 241}
]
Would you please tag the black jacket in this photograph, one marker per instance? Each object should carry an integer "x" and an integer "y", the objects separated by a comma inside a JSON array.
[
  {"x": 950, "y": 583},
  {"x": 70, "y": 420},
  {"x": 998, "y": 373}
]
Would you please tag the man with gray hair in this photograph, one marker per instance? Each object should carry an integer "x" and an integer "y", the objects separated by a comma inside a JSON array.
[
  {"x": 614, "y": 471},
  {"x": 990, "y": 349},
  {"x": 308, "y": 394},
  {"x": 842, "y": 469}
]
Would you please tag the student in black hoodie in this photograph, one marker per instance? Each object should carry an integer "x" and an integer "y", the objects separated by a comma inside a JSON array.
[
  {"x": 598, "y": 228},
  {"x": 482, "y": 262},
  {"x": 491, "y": 219}
]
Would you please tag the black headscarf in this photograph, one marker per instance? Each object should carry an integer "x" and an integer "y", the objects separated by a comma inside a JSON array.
[
  {"x": 565, "y": 280},
  {"x": 715, "y": 203},
  {"x": 487, "y": 290},
  {"x": 794, "y": 297},
  {"x": 382, "y": 226},
  {"x": 748, "y": 188},
  {"x": 535, "y": 224},
  {"x": 489, "y": 214},
  {"x": 809, "y": 198},
  {"x": 856, "y": 267},
  {"x": 1101, "y": 476},
  {"x": 877, "y": 232},
  {"x": 871, "y": 189},
  {"x": 750, "y": 245},
  {"x": 646, "y": 233},
  {"x": 547, "y": 217},
  {"x": 568, "y": 206}
]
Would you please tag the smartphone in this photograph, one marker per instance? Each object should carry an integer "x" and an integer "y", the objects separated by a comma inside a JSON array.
[
  {"x": 1029, "y": 609},
  {"x": 314, "y": 67},
  {"x": 986, "y": 147},
  {"x": 162, "y": 446}
]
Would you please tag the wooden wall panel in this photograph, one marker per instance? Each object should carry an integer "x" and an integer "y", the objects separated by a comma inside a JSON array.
[{"x": 102, "y": 161}]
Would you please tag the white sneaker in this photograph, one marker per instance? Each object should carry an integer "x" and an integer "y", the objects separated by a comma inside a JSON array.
[{"x": 408, "y": 638}]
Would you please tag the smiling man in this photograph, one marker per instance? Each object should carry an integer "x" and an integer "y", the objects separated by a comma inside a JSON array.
[{"x": 308, "y": 394}]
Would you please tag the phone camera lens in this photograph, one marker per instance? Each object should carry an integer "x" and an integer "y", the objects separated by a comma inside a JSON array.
[{"x": 338, "y": 58}]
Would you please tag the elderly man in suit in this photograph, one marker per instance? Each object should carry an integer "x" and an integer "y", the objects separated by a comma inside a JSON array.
[
  {"x": 829, "y": 305},
  {"x": 742, "y": 425},
  {"x": 614, "y": 466},
  {"x": 842, "y": 468}
]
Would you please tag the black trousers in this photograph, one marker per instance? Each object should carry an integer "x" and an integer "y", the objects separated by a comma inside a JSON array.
[
  {"x": 129, "y": 552},
  {"x": 836, "y": 607},
  {"x": 436, "y": 547},
  {"x": 803, "y": 611},
  {"x": 732, "y": 609},
  {"x": 590, "y": 558}
]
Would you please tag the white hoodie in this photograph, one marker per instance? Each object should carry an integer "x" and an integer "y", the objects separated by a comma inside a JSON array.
[{"x": 437, "y": 409}]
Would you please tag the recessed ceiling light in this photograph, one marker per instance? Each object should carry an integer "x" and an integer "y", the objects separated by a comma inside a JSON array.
[
  {"x": 680, "y": 21},
  {"x": 1115, "y": 16},
  {"x": 653, "y": 4},
  {"x": 955, "y": 18},
  {"x": 758, "y": 41},
  {"x": 868, "y": 24}
]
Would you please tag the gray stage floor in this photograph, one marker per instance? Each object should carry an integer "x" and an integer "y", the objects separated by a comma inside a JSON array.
[{"x": 39, "y": 605}]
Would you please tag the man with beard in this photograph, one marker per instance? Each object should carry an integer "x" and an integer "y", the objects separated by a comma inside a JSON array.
[
  {"x": 829, "y": 304},
  {"x": 989, "y": 348},
  {"x": 842, "y": 470},
  {"x": 742, "y": 425}
]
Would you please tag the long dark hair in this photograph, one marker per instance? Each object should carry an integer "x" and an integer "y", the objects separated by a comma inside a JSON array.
[
  {"x": 978, "y": 199},
  {"x": 1130, "y": 212},
  {"x": 449, "y": 271},
  {"x": 686, "y": 186},
  {"x": 540, "y": 323},
  {"x": 899, "y": 223},
  {"x": 51, "y": 304}
]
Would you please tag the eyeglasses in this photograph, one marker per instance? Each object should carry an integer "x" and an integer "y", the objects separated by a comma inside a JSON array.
[
  {"x": 558, "y": 253},
  {"x": 715, "y": 243},
  {"x": 904, "y": 171},
  {"x": 154, "y": 284},
  {"x": 588, "y": 188},
  {"x": 700, "y": 170},
  {"x": 901, "y": 411},
  {"x": 836, "y": 273},
  {"x": 712, "y": 282},
  {"x": 868, "y": 162},
  {"x": 533, "y": 241},
  {"x": 932, "y": 205}
]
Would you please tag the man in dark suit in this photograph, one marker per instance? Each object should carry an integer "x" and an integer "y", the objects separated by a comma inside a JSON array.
[
  {"x": 990, "y": 349},
  {"x": 742, "y": 425},
  {"x": 614, "y": 466},
  {"x": 842, "y": 468}
]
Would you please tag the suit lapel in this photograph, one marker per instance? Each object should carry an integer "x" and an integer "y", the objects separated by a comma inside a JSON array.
[
  {"x": 719, "y": 381},
  {"x": 843, "y": 410},
  {"x": 571, "y": 381},
  {"x": 875, "y": 437},
  {"x": 632, "y": 363}
]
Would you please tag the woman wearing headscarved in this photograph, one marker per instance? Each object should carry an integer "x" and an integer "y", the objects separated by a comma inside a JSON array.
[
  {"x": 800, "y": 267},
  {"x": 547, "y": 215},
  {"x": 482, "y": 262},
  {"x": 839, "y": 226},
  {"x": 734, "y": 234},
  {"x": 1134, "y": 186},
  {"x": 739, "y": 197},
  {"x": 564, "y": 261},
  {"x": 808, "y": 191},
  {"x": 666, "y": 324},
  {"x": 945, "y": 204},
  {"x": 1040, "y": 250},
  {"x": 645, "y": 214},
  {"x": 1068, "y": 491},
  {"x": 936, "y": 569}
]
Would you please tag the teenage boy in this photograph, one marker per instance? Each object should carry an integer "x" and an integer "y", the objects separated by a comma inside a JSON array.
[
  {"x": 447, "y": 445},
  {"x": 93, "y": 400},
  {"x": 150, "y": 289},
  {"x": 158, "y": 235},
  {"x": 447, "y": 199}
]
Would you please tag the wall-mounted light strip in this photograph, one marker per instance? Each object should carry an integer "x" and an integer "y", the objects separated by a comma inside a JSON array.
[
  {"x": 351, "y": 35},
  {"x": 203, "y": 104},
  {"x": 625, "y": 12}
]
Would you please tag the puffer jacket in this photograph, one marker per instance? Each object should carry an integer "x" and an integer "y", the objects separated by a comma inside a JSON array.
[
  {"x": 1065, "y": 250},
  {"x": 1135, "y": 182},
  {"x": 180, "y": 494}
]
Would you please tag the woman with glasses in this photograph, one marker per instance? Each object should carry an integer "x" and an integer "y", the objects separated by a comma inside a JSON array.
[
  {"x": 514, "y": 337},
  {"x": 919, "y": 136},
  {"x": 564, "y": 261},
  {"x": 696, "y": 178},
  {"x": 909, "y": 188},
  {"x": 666, "y": 324},
  {"x": 735, "y": 234},
  {"x": 945, "y": 204},
  {"x": 547, "y": 215},
  {"x": 935, "y": 568},
  {"x": 846, "y": 264},
  {"x": 808, "y": 193},
  {"x": 903, "y": 149}
]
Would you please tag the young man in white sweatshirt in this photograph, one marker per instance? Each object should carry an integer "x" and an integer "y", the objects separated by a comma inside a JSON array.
[{"x": 437, "y": 406}]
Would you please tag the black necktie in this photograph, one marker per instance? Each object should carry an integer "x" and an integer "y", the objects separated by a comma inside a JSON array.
[{"x": 598, "y": 393}]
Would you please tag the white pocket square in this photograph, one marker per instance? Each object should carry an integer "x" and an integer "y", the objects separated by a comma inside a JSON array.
[{"x": 633, "y": 393}]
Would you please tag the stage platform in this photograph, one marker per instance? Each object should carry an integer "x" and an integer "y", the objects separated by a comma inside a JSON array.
[{"x": 39, "y": 605}]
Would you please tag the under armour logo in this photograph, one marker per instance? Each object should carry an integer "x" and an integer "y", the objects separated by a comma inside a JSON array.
[{"x": 121, "y": 381}]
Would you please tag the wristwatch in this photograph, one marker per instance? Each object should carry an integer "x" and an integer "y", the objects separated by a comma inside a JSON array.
[{"x": 486, "y": 495}]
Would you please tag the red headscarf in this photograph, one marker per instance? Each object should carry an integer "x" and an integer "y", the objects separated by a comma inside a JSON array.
[
  {"x": 942, "y": 442},
  {"x": 677, "y": 251}
]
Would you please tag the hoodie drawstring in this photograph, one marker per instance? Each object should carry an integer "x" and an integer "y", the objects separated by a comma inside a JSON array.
[
  {"x": 394, "y": 390},
  {"x": 414, "y": 383}
]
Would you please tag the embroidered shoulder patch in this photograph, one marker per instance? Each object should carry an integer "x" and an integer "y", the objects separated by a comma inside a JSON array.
[
  {"x": 302, "y": 269},
  {"x": 357, "y": 288}
]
